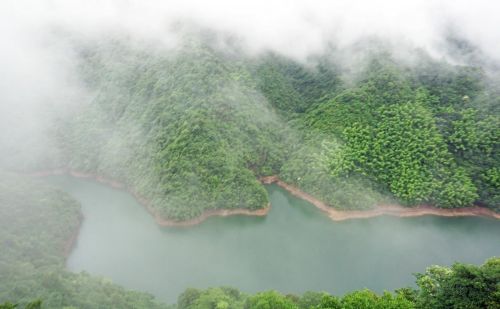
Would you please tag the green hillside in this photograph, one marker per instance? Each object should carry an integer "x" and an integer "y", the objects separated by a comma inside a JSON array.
[{"x": 193, "y": 128}]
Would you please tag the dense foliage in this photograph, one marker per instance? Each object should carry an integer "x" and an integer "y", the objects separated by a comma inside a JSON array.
[
  {"x": 186, "y": 129},
  {"x": 460, "y": 286},
  {"x": 422, "y": 134},
  {"x": 394, "y": 133},
  {"x": 37, "y": 222},
  {"x": 193, "y": 128}
]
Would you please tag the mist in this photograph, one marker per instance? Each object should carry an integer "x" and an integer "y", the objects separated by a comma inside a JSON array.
[
  {"x": 275, "y": 25},
  {"x": 281, "y": 114},
  {"x": 38, "y": 64},
  {"x": 39, "y": 61},
  {"x": 40, "y": 54}
]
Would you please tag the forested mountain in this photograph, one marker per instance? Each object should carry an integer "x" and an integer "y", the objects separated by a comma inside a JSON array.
[
  {"x": 192, "y": 128},
  {"x": 348, "y": 115}
]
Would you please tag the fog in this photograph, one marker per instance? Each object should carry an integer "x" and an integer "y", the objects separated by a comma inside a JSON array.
[
  {"x": 278, "y": 25},
  {"x": 187, "y": 133},
  {"x": 38, "y": 64}
]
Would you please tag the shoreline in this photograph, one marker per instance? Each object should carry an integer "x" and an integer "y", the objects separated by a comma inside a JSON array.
[
  {"x": 332, "y": 213},
  {"x": 147, "y": 204},
  {"x": 380, "y": 210},
  {"x": 70, "y": 243}
]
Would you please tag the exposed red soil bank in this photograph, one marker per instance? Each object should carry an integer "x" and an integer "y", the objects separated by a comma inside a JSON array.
[
  {"x": 393, "y": 210},
  {"x": 147, "y": 204},
  {"x": 334, "y": 214}
]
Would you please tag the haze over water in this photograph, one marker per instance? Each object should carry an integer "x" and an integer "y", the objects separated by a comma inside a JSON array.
[{"x": 294, "y": 249}]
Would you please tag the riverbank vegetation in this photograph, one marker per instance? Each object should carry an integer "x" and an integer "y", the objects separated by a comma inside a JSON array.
[
  {"x": 38, "y": 224},
  {"x": 192, "y": 128},
  {"x": 458, "y": 286}
]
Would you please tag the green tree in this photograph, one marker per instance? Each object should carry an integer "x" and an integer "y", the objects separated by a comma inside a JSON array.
[
  {"x": 461, "y": 286},
  {"x": 269, "y": 300}
]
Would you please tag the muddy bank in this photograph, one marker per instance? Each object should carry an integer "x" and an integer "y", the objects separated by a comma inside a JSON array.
[
  {"x": 334, "y": 214},
  {"x": 147, "y": 204},
  {"x": 392, "y": 210}
]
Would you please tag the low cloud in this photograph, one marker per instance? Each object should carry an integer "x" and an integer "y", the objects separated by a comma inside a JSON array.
[{"x": 37, "y": 66}]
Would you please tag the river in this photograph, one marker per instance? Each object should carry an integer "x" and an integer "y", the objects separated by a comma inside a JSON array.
[{"x": 294, "y": 249}]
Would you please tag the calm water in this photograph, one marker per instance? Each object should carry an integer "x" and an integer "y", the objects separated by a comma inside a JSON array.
[{"x": 294, "y": 249}]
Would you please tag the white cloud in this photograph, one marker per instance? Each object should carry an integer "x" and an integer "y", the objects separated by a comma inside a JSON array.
[
  {"x": 36, "y": 68},
  {"x": 293, "y": 27}
]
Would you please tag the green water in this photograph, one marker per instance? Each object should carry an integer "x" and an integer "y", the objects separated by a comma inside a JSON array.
[{"x": 294, "y": 249}]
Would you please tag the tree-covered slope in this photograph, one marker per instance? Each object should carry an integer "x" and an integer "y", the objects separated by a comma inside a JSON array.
[
  {"x": 193, "y": 128},
  {"x": 37, "y": 224},
  {"x": 422, "y": 137},
  {"x": 187, "y": 129}
]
